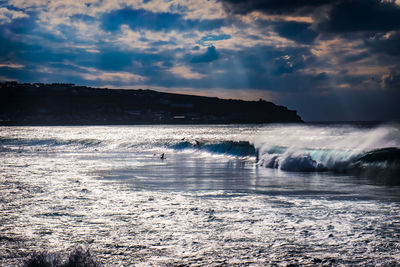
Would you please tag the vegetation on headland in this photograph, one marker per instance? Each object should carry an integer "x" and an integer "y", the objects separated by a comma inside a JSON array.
[{"x": 68, "y": 104}]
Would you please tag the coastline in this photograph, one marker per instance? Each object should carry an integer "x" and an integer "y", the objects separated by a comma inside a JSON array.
[{"x": 67, "y": 104}]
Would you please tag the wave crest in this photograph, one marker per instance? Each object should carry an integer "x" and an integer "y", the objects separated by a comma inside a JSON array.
[
  {"x": 234, "y": 148},
  {"x": 307, "y": 160}
]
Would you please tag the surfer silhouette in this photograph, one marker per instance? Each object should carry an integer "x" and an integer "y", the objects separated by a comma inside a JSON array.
[{"x": 162, "y": 156}]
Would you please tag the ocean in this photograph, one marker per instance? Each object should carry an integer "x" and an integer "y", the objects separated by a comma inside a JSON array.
[{"x": 203, "y": 195}]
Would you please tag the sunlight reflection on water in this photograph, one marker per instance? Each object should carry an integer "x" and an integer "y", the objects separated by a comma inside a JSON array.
[{"x": 107, "y": 189}]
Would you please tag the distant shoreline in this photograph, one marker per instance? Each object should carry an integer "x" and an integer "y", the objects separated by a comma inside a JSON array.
[{"x": 68, "y": 104}]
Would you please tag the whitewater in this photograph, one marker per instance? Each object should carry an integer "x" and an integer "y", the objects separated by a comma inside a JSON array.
[{"x": 208, "y": 195}]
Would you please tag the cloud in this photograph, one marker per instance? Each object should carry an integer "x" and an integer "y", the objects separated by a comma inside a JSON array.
[
  {"x": 8, "y": 15},
  {"x": 23, "y": 4},
  {"x": 257, "y": 16},
  {"x": 153, "y": 41},
  {"x": 12, "y": 66},
  {"x": 336, "y": 16},
  {"x": 272, "y": 6},
  {"x": 297, "y": 31},
  {"x": 391, "y": 81},
  {"x": 362, "y": 15},
  {"x": 210, "y": 55},
  {"x": 321, "y": 76},
  {"x": 388, "y": 43},
  {"x": 208, "y": 39},
  {"x": 112, "y": 60},
  {"x": 125, "y": 77},
  {"x": 142, "y": 19},
  {"x": 148, "y": 20},
  {"x": 186, "y": 72},
  {"x": 356, "y": 56}
]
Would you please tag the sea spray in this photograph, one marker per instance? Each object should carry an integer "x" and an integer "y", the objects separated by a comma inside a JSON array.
[{"x": 323, "y": 148}]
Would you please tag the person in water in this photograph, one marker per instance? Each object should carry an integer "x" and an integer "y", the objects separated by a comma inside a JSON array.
[{"x": 162, "y": 156}]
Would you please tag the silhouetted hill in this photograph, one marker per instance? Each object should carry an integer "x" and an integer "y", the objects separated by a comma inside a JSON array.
[{"x": 67, "y": 104}]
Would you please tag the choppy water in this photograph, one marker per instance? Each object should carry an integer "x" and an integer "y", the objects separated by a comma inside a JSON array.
[{"x": 224, "y": 195}]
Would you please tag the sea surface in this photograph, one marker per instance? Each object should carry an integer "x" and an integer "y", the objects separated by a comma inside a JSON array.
[{"x": 243, "y": 195}]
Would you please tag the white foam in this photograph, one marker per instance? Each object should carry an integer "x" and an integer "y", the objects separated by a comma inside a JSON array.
[{"x": 318, "y": 148}]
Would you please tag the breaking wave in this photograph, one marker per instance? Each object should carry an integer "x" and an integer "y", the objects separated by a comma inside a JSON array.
[
  {"x": 233, "y": 148},
  {"x": 301, "y": 148},
  {"x": 302, "y": 159},
  {"x": 337, "y": 150},
  {"x": 306, "y": 160},
  {"x": 312, "y": 150}
]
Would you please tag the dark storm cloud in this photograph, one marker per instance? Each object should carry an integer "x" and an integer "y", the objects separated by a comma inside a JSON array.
[
  {"x": 272, "y": 6},
  {"x": 210, "y": 55},
  {"x": 392, "y": 81},
  {"x": 382, "y": 43},
  {"x": 297, "y": 31},
  {"x": 321, "y": 77},
  {"x": 355, "y": 57},
  {"x": 362, "y": 15},
  {"x": 336, "y": 16},
  {"x": 164, "y": 21},
  {"x": 342, "y": 15}
]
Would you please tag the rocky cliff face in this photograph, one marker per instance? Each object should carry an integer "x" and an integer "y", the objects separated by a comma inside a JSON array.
[{"x": 67, "y": 104}]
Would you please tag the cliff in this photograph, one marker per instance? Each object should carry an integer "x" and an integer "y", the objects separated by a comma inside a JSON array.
[{"x": 67, "y": 104}]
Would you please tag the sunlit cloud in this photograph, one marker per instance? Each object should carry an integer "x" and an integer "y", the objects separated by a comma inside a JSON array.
[
  {"x": 256, "y": 15},
  {"x": 146, "y": 39},
  {"x": 185, "y": 72},
  {"x": 12, "y": 65},
  {"x": 126, "y": 77},
  {"x": 7, "y": 15}
]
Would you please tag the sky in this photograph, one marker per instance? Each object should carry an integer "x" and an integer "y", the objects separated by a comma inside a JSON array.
[{"x": 329, "y": 60}]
